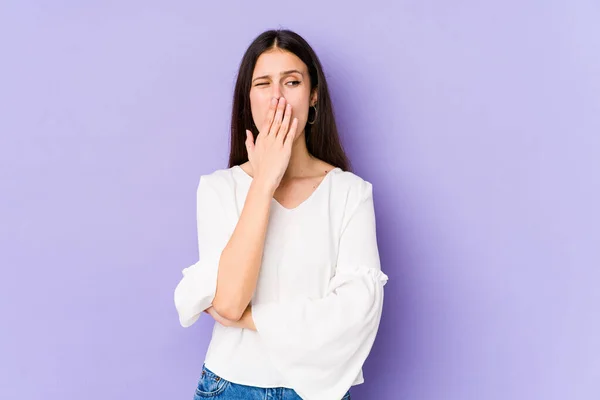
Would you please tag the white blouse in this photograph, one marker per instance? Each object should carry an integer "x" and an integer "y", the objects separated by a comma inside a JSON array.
[{"x": 319, "y": 294}]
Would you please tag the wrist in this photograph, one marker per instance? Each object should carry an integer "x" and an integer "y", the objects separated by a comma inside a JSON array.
[{"x": 263, "y": 187}]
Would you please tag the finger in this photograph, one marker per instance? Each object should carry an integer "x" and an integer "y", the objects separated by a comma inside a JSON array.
[
  {"x": 285, "y": 124},
  {"x": 270, "y": 116},
  {"x": 289, "y": 138},
  {"x": 278, "y": 117}
]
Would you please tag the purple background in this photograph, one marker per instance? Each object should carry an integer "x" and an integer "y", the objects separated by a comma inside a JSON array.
[{"x": 478, "y": 124}]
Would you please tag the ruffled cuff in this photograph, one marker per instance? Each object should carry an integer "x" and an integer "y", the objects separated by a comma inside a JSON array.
[
  {"x": 196, "y": 291},
  {"x": 320, "y": 345}
]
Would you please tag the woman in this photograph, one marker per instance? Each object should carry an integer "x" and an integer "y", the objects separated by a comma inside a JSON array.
[{"x": 288, "y": 260}]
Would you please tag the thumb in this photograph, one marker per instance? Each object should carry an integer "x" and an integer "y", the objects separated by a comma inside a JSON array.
[{"x": 249, "y": 141}]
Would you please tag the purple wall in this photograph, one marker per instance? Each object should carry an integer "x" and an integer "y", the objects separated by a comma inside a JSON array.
[{"x": 479, "y": 126}]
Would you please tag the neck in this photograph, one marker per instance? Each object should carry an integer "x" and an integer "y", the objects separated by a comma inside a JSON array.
[{"x": 301, "y": 162}]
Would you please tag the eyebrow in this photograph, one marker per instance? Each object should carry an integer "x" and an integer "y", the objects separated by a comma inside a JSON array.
[{"x": 290, "y": 71}]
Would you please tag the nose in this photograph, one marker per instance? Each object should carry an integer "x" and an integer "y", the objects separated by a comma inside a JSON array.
[{"x": 277, "y": 91}]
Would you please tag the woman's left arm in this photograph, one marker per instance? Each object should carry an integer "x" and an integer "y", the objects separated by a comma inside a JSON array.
[{"x": 319, "y": 345}]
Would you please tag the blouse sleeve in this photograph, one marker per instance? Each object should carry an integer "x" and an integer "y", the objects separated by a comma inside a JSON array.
[
  {"x": 196, "y": 289},
  {"x": 320, "y": 344}
]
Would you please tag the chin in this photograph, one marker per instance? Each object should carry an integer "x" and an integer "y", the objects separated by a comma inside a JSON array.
[{"x": 299, "y": 136}]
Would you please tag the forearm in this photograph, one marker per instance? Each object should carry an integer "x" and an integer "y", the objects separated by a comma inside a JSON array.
[
  {"x": 240, "y": 261},
  {"x": 246, "y": 321}
]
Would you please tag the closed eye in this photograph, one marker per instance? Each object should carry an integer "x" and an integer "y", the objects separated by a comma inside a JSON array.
[{"x": 290, "y": 83}]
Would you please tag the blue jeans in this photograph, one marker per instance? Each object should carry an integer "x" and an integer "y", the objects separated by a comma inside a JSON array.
[{"x": 212, "y": 386}]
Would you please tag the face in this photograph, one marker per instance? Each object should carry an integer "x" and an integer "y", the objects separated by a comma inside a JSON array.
[{"x": 279, "y": 73}]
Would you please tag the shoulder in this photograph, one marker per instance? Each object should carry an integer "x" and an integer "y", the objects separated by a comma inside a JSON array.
[
  {"x": 353, "y": 195},
  {"x": 346, "y": 180},
  {"x": 220, "y": 181},
  {"x": 350, "y": 192},
  {"x": 352, "y": 185}
]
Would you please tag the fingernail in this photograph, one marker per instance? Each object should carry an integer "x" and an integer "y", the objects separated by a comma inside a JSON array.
[{"x": 274, "y": 101}]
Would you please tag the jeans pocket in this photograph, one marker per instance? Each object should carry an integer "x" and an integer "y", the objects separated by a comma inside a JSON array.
[{"x": 210, "y": 384}]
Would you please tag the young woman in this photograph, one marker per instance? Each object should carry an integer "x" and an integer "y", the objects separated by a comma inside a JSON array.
[{"x": 288, "y": 261}]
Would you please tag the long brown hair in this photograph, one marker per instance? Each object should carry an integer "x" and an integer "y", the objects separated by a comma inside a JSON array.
[{"x": 322, "y": 139}]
